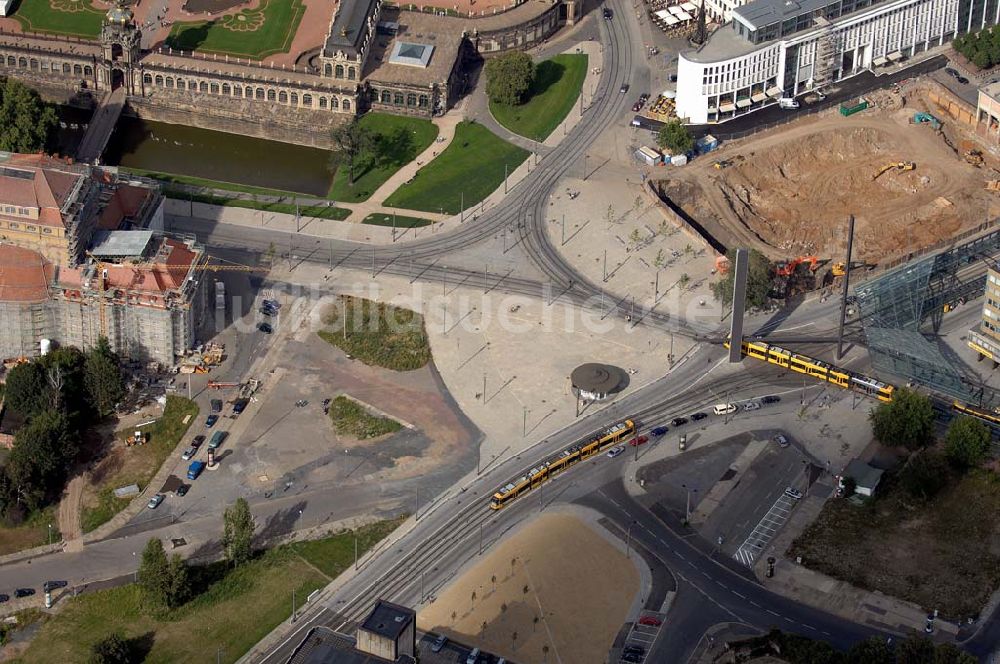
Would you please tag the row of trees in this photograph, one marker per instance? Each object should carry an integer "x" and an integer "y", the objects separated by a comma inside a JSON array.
[
  {"x": 917, "y": 649},
  {"x": 57, "y": 396},
  {"x": 167, "y": 582},
  {"x": 981, "y": 48}
]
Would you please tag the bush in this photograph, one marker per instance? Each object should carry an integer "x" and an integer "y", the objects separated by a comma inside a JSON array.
[
  {"x": 967, "y": 441},
  {"x": 907, "y": 420},
  {"x": 509, "y": 77},
  {"x": 352, "y": 419},
  {"x": 924, "y": 474}
]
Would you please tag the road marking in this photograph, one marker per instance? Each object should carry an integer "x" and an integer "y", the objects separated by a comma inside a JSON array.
[
  {"x": 765, "y": 530},
  {"x": 774, "y": 613}
]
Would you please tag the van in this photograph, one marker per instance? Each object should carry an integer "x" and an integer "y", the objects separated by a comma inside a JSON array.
[
  {"x": 473, "y": 657},
  {"x": 217, "y": 439},
  {"x": 788, "y": 102},
  {"x": 725, "y": 408},
  {"x": 194, "y": 470}
]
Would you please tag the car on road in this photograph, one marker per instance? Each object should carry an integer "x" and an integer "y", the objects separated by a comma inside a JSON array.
[
  {"x": 155, "y": 501},
  {"x": 197, "y": 441},
  {"x": 793, "y": 493},
  {"x": 4, "y": 598},
  {"x": 194, "y": 470},
  {"x": 53, "y": 585},
  {"x": 951, "y": 72},
  {"x": 265, "y": 328},
  {"x": 615, "y": 451},
  {"x": 216, "y": 405},
  {"x": 679, "y": 421},
  {"x": 636, "y": 107},
  {"x": 641, "y": 440},
  {"x": 189, "y": 453},
  {"x": 658, "y": 431},
  {"x": 608, "y": 14},
  {"x": 210, "y": 421},
  {"x": 623, "y": 89},
  {"x": 439, "y": 643},
  {"x": 963, "y": 80},
  {"x": 771, "y": 398},
  {"x": 780, "y": 440},
  {"x": 651, "y": 621},
  {"x": 698, "y": 416},
  {"x": 751, "y": 405},
  {"x": 725, "y": 408},
  {"x": 182, "y": 490},
  {"x": 24, "y": 592}
]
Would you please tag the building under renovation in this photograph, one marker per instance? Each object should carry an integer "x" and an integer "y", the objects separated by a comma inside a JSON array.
[{"x": 81, "y": 258}]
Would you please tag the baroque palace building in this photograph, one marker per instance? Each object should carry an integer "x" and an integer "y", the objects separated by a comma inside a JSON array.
[{"x": 373, "y": 57}]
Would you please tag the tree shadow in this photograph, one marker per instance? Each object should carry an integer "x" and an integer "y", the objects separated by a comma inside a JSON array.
[
  {"x": 140, "y": 646},
  {"x": 278, "y": 525},
  {"x": 189, "y": 39},
  {"x": 547, "y": 74}
]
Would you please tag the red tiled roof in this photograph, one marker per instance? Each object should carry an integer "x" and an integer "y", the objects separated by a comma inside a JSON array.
[
  {"x": 48, "y": 189},
  {"x": 125, "y": 202},
  {"x": 24, "y": 275}
]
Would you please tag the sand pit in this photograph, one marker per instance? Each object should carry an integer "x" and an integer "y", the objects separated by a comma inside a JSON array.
[
  {"x": 547, "y": 570},
  {"x": 790, "y": 192}
]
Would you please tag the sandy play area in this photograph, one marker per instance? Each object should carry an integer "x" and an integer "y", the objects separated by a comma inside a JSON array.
[
  {"x": 547, "y": 570},
  {"x": 790, "y": 191}
]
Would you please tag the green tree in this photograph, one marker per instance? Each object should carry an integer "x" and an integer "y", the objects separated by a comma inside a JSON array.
[
  {"x": 873, "y": 650},
  {"x": 915, "y": 649},
  {"x": 27, "y": 389},
  {"x": 509, "y": 77},
  {"x": 635, "y": 238},
  {"x": 112, "y": 649},
  {"x": 42, "y": 453},
  {"x": 179, "y": 588},
  {"x": 675, "y": 138},
  {"x": 103, "y": 378},
  {"x": 924, "y": 474},
  {"x": 966, "y": 442},
  {"x": 949, "y": 653},
  {"x": 238, "y": 536},
  {"x": 154, "y": 573},
  {"x": 353, "y": 142},
  {"x": 907, "y": 420},
  {"x": 759, "y": 277},
  {"x": 27, "y": 124}
]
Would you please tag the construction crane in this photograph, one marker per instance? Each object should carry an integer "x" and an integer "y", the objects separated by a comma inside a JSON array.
[
  {"x": 901, "y": 165},
  {"x": 788, "y": 269}
]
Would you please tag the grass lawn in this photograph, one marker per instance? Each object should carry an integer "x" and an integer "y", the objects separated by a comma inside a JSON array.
[
  {"x": 79, "y": 19},
  {"x": 255, "y": 33},
  {"x": 352, "y": 419},
  {"x": 316, "y": 211},
  {"x": 941, "y": 555},
  {"x": 398, "y": 141},
  {"x": 33, "y": 532},
  {"x": 399, "y": 220},
  {"x": 135, "y": 465},
  {"x": 473, "y": 165},
  {"x": 378, "y": 334},
  {"x": 553, "y": 93},
  {"x": 232, "y": 610}
]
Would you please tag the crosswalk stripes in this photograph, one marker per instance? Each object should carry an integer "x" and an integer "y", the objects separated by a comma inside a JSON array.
[{"x": 765, "y": 530}]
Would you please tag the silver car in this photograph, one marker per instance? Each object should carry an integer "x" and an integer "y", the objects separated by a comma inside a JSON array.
[
  {"x": 793, "y": 493},
  {"x": 155, "y": 501},
  {"x": 189, "y": 453},
  {"x": 751, "y": 405},
  {"x": 780, "y": 440}
]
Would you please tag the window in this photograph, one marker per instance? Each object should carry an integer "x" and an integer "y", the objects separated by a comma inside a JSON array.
[
  {"x": 170, "y": 82},
  {"x": 202, "y": 86},
  {"x": 307, "y": 101},
  {"x": 340, "y": 71},
  {"x": 14, "y": 226},
  {"x": 386, "y": 97},
  {"x": 237, "y": 91},
  {"x": 283, "y": 97},
  {"x": 411, "y": 99},
  {"x": 322, "y": 102},
  {"x": 226, "y": 90},
  {"x": 12, "y": 61},
  {"x": 295, "y": 99},
  {"x": 88, "y": 71},
  {"x": 334, "y": 103},
  {"x": 31, "y": 229},
  {"x": 181, "y": 85},
  {"x": 424, "y": 101},
  {"x": 347, "y": 104},
  {"x": 47, "y": 231},
  {"x": 23, "y": 62},
  {"x": 328, "y": 70},
  {"x": 351, "y": 73},
  {"x": 34, "y": 64},
  {"x": 398, "y": 99},
  {"x": 159, "y": 80},
  {"x": 215, "y": 88},
  {"x": 259, "y": 94},
  {"x": 77, "y": 69},
  {"x": 147, "y": 79},
  {"x": 270, "y": 95}
]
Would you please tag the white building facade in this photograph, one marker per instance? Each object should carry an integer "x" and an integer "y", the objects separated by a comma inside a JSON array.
[{"x": 783, "y": 48}]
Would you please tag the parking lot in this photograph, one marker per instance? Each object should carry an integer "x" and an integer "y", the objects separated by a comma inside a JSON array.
[
  {"x": 641, "y": 637},
  {"x": 765, "y": 530},
  {"x": 450, "y": 653}
]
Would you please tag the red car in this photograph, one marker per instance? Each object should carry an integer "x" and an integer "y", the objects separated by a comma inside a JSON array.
[
  {"x": 651, "y": 621},
  {"x": 635, "y": 442}
]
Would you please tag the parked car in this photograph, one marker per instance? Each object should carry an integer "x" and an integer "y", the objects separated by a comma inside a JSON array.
[
  {"x": 197, "y": 441},
  {"x": 793, "y": 493},
  {"x": 4, "y": 598},
  {"x": 53, "y": 585},
  {"x": 608, "y": 14},
  {"x": 679, "y": 421},
  {"x": 652, "y": 621},
  {"x": 751, "y": 405},
  {"x": 439, "y": 643},
  {"x": 698, "y": 416},
  {"x": 265, "y": 328},
  {"x": 24, "y": 592},
  {"x": 182, "y": 490},
  {"x": 194, "y": 470},
  {"x": 268, "y": 311},
  {"x": 658, "y": 431},
  {"x": 772, "y": 398},
  {"x": 240, "y": 405},
  {"x": 951, "y": 72},
  {"x": 155, "y": 501},
  {"x": 725, "y": 408},
  {"x": 780, "y": 440},
  {"x": 189, "y": 453},
  {"x": 641, "y": 440},
  {"x": 644, "y": 97},
  {"x": 636, "y": 107},
  {"x": 615, "y": 451},
  {"x": 216, "y": 441},
  {"x": 216, "y": 405},
  {"x": 963, "y": 80},
  {"x": 210, "y": 421},
  {"x": 274, "y": 304}
]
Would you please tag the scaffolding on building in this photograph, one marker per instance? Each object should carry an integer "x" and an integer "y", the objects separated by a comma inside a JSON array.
[{"x": 825, "y": 64}]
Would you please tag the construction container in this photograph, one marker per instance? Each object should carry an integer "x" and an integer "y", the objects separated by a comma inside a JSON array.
[
  {"x": 679, "y": 160},
  {"x": 706, "y": 144},
  {"x": 648, "y": 156},
  {"x": 846, "y": 110}
]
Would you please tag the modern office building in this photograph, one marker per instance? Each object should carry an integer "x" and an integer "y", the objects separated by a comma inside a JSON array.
[
  {"x": 985, "y": 337},
  {"x": 783, "y": 48}
]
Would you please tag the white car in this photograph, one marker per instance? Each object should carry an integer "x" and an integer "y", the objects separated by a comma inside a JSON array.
[
  {"x": 155, "y": 501},
  {"x": 189, "y": 453},
  {"x": 780, "y": 440},
  {"x": 615, "y": 451},
  {"x": 793, "y": 493}
]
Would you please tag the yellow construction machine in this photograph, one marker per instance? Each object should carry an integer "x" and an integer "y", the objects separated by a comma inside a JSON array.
[{"x": 901, "y": 165}]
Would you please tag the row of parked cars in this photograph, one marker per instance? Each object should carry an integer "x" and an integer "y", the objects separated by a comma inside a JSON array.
[{"x": 28, "y": 592}]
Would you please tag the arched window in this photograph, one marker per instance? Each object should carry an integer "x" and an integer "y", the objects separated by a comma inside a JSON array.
[
  {"x": 295, "y": 99},
  {"x": 203, "y": 86},
  {"x": 423, "y": 101},
  {"x": 170, "y": 82},
  {"x": 270, "y": 95},
  {"x": 77, "y": 69},
  {"x": 181, "y": 85},
  {"x": 347, "y": 104},
  {"x": 66, "y": 68},
  {"x": 386, "y": 97},
  {"x": 411, "y": 99},
  {"x": 12, "y": 61},
  {"x": 322, "y": 102},
  {"x": 334, "y": 103},
  {"x": 88, "y": 70},
  {"x": 34, "y": 64},
  {"x": 215, "y": 88},
  {"x": 147, "y": 79},
  {"x": 260, "y": 94},
  {"x": 398, "y": 99},
  {"x": 340, "y": 71},
  {"x": 328, "y": 70},
  {"x": 159, "y": 80},
  {"x": 226, "y": 90},
  {"x": 307, "y": 101},
  {"x": 23, "y": 62},
  {"x": 283, "y": 97},
  {"x": 351, "y": 73},
  {"x": 237, "y": 91}
]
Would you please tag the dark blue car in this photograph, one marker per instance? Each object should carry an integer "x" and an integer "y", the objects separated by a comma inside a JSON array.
[{"x": 658, "y": 431}]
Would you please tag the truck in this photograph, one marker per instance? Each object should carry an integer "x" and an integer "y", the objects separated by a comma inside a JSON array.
[
  {"x": 217, "y": 439},
  {"x": 194, "y": 470}
]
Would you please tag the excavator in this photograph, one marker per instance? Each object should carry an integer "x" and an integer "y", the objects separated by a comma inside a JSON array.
[
  {"x": 838, "y": 269},
  {"x": 901, "y": 165},
  {"x": 788, "y": 268}
]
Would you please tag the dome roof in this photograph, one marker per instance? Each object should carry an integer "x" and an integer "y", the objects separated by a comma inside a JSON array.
[{"x": 119, "y": 14}]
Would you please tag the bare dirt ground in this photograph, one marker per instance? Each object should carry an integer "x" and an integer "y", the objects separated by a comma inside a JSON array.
[
  {"x": 546, "y": 570},
  {"x": 789, "y": 191}
]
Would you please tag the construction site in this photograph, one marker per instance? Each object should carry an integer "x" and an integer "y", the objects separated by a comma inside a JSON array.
[{"x": 909, "y": 178}]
